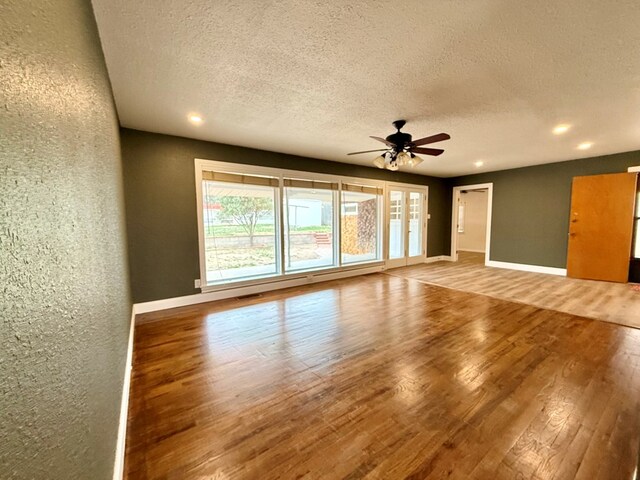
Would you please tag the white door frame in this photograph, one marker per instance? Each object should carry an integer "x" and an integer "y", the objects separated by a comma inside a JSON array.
[
  {"x": 406, "y": 187},
  {"x": 454, "y": 219}
]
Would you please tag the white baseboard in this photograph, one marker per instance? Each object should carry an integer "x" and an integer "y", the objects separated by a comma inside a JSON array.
[
  {"x": 633, "y": 169},
  {"x": 250, "y": 290},
  {"x": 470, "y": 250},
  {"x": 118, "y": 468},
  {"x": 439, "y": 258},
  {"x": 527, "y": 268}
]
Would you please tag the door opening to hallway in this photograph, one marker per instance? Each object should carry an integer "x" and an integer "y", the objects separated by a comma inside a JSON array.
[{"x": 471, "y": 222}]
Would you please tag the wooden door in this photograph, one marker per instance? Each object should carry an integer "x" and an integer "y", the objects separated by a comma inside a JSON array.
[{"x": 601, "y": 226}]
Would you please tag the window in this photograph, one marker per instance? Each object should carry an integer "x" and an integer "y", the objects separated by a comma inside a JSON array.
[
  {"x": 360, "y": 237},
  {"x": 414, "y": 206},
  {"x": 350, "y": 208},
  {"x": 395, "y": 206},
  {"x": 396, "y": 224},
  {"x": 309, "y": 219},
  {"x": 260, "y": 224},
  {"x": 415, "y": 228},
  {"x": 240, "y": 226}
]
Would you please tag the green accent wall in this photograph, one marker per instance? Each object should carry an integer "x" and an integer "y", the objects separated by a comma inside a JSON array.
[
  {"x": 65, "y": 309},
  {"x": 531, "y": 207},
  {"x": 159, "y": 175}
]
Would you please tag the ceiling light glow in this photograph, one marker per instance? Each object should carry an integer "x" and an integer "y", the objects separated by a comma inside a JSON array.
[
  {"x": 479, "y": 163},
  {"x": 585, "y": 145},
  {"x": 195, "y": 119},
  {"x": 562, "y": 128}
]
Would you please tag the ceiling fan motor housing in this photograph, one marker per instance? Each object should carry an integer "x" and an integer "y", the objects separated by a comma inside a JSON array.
[{"x": 400, "y": 139}]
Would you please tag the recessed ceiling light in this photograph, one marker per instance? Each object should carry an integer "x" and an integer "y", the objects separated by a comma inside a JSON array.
[
  {"x": 479, "y": 163},
  {"x": 195, "y": 119},
  {"x": 585, "y": 145},
  {"x": 560, "y": 129}
]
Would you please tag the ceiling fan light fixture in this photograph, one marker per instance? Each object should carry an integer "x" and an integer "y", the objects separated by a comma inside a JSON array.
[
  {"x": 403, "y": 159},
  {"x": 414, "y": 161},
  {"x": 400, "y": 148},
  {"x": 379, "y": 161}
]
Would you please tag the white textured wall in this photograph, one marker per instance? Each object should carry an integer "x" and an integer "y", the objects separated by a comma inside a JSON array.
[{"x": 475, "y": 221}]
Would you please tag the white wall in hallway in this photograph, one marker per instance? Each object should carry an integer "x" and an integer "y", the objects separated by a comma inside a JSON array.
[{"x": 473, "y": 238}]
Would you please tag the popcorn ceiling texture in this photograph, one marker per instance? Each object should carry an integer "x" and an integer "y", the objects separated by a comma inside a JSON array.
[
  {"x": 64, "y": 301},
  {"x": 316, "y": 78}
]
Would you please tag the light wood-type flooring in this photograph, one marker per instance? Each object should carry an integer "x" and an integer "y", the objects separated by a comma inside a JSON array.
[
  {"x": 611, "y": 302},
  {"x": 381, "y": 377}
]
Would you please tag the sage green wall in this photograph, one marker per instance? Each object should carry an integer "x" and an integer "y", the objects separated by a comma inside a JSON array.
[
  {"x": 531, "y": 207},
  {"x": 160, "y": 193},
  {"x": 64, "y": 291}
]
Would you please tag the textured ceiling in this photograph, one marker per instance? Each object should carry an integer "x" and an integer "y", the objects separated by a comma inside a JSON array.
[{"x": 316, "y": 78}]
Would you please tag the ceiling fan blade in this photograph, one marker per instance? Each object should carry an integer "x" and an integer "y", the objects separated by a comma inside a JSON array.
[
  {"x": 369, "y": 151},
  {"x": 427, "y": 151},
  {"x": 385, "y": 141},
  {"x": 432, "y": 139}
]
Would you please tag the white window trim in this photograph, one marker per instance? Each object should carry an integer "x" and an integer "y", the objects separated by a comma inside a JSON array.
[{"x": 239, "y": 168}]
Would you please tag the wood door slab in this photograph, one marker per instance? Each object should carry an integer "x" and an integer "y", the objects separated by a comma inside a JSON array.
[{"x": 601, "y": 226}]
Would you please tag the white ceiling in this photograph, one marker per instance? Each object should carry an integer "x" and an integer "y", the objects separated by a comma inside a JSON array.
[{"x": 317, "y": 77}]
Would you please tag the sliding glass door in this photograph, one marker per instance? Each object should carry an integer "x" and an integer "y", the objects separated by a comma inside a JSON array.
[{"x": 406, "y": 225}]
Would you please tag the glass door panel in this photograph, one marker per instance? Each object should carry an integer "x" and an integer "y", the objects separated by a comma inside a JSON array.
[
  {"x": 406, "y": 226},
  {"x": 415, "y": 223},
  {"x": 396, "y": 223}
]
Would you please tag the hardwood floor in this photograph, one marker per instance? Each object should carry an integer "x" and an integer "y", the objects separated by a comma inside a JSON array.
[
  {"x": 381, "y": 377},
  {"x": 611, "y": 302}
]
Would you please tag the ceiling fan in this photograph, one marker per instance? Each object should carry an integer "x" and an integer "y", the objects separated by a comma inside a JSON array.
[{"x": 401, "y": 149}]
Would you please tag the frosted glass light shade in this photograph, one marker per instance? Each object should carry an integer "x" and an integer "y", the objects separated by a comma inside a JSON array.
[
  {"x": 403, "y": 158},
  {"x": 379, "y": 161},
  {"x": 415, "y": 161},
  {"x": 393, "y": 167}
]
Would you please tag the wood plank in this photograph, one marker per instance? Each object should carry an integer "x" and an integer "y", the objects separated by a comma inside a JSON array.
[
  {"x": 611, "y": 302},
  {"x": 381, "y": 377}
]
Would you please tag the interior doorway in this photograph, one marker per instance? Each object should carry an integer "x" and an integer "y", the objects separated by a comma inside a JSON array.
[{"x": 471, "y": 222}]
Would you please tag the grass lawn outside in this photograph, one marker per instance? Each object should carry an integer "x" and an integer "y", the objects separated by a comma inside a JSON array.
[
  {"x": 229, "y": 258},
  {"x": 266, "y": 229}
]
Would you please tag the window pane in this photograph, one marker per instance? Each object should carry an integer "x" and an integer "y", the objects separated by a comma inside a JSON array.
[
  {"x": 308, "y": 228},
  {"x": 239, "y": 231},
  {"x": 396, "y": 224},
  {"x": 415, "y": 224},
  {"x": 360, "y": 227}
]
